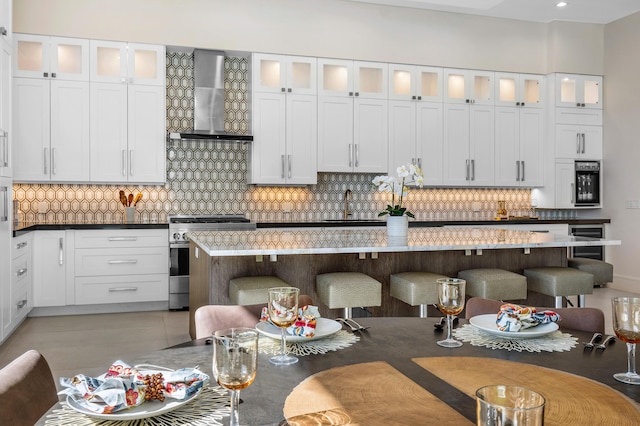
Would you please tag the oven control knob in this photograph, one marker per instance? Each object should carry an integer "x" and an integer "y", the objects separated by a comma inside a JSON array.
[
  {"x": 176, "y": 236},
  {"x": 185, "y": 237}
]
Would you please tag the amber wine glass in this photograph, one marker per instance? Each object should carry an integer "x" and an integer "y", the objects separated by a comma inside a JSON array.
[
  {"x": 283, "y": 312},
  {"x": 235, "y": 358},
  {"x": 626, "y": 324},
  {"x": 450, "y": 303}
]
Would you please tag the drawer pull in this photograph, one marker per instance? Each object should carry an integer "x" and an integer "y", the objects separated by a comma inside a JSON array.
[
  {"x": 21, "y": 304},
  {"x": 121, "y": 262},
  {"x": 21, "y": 272},
  {"x": 123, "y": 239},
  {"x": 21, "y": 245},
  {"x": 114, "y": 289}
]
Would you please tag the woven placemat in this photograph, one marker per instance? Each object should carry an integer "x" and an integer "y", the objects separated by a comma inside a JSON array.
[
  {"x": 553, "y": 342},
  {"x": 338, "y": 340},
  {"x": 209, "y": 408}
]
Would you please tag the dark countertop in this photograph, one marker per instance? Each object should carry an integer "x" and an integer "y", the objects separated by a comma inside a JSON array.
[
  {"x": 429, "y": 223},
  {"x": 26, "y": 227},
  {"x": 29, "y": 226}
]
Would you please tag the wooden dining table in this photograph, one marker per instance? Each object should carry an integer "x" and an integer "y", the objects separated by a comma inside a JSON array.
[{"x": 397, "y": 374}]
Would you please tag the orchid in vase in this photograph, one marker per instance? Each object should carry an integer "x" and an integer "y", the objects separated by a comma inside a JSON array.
[{"x": 397, "y": 186}]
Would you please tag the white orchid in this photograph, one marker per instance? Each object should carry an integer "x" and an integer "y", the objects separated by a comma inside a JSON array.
[{"x": 408, "y": 173}]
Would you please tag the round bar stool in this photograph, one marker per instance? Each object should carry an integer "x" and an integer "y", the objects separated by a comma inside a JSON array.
[
  {"x": 602, "y": 271},
  {"x": 346, "y": 290},
  {"x": 416, "y": 288},
  {"x": 497, "y": 284},
  {"x": 560, "y": 282},
  {"x": 253, "y": 290}
]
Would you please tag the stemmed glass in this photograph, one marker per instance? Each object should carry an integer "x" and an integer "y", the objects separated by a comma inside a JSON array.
[
  {"x": 450, "y": 303},
  {"x": 626, "y": 324},
  {"x": 283, "y": 312},
  {"x": 235, "y": 358}
]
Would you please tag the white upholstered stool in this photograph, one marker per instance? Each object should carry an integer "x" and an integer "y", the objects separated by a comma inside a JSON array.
[
  {"x": 497, "y": 284},
  {"x": 602, "y": 271},
  {"x": 346, "y": 290},
  {"x": 560, "y": 282},
  {"x": 253, "y": 290},
  {"x": 416, "y": 288}
]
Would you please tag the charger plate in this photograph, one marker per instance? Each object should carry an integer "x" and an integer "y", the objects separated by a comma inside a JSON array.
[{"x": 324, "y": 327}]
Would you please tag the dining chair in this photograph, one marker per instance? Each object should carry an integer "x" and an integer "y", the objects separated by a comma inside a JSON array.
[
  {"x": 579, "y": 319},
  {"x": 209, "y": 318},
  {"x": 27, "y": 389}
]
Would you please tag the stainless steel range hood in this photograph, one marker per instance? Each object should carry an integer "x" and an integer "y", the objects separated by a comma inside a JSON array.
[{"x": 208, "y": 91}]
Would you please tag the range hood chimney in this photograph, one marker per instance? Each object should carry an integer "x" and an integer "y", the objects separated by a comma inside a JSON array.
[{"x": 208, "y": 91}]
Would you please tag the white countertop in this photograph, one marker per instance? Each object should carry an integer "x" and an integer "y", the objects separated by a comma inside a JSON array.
[{"x": 281, "y": 241}]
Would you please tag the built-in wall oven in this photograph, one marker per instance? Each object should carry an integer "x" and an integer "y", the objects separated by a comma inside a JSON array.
[
  {"x": 591, "y": 231},
  {"x": 179, "y": 227},
  {"x": 586, "y": 192}
]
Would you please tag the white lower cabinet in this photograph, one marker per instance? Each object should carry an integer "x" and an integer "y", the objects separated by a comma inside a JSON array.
[
  {"x": 51, "y": 256},
  {"x": 17, "y": 295},
  {"x": 121, "y": 266}
]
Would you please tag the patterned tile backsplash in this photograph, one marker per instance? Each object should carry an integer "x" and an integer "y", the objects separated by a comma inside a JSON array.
[{"x": 205, "y": 177}]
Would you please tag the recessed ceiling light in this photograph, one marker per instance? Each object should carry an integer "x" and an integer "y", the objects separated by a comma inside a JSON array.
[{"x": 561, "y": 4}]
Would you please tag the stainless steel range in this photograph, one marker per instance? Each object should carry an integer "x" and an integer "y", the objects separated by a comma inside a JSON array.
[{"x": 179, "y": 227}]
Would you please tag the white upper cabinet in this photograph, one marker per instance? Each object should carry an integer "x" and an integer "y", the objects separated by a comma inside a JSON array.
[
  {"x": 284, "y": 74},
  {"x": 468, "y": 86},
  {"x": 352, "y": 78},
  {"x": 285, "y": 117},
  {"x": 579, "y": 142},
  {"x": 519, "y": 90},
  {"x": 579, "y": 91},
  {"x": 417, "y": 83},
  {"x": 352, "y": 116},
  {"x": 131, "y": 63},
  {"x": 47, "y": 57},
  {"x": 6, "y": 136}
]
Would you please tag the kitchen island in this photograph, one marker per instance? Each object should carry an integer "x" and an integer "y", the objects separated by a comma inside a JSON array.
[{"x": 297, "y": 255}]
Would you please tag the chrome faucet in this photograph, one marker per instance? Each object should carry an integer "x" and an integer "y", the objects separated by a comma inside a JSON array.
[{"x": 347, "y": 199}]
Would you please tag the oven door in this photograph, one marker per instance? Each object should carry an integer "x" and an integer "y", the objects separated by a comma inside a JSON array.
[{"x": 179, "y": 276}]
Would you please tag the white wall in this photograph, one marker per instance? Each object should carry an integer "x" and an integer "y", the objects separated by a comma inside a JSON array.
[
  {"x": 326, "y": 28},
  {"x": 622, "y": 147}
]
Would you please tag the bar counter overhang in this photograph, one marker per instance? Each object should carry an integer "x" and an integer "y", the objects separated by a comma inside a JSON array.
[{"x": 298, "y": 255}]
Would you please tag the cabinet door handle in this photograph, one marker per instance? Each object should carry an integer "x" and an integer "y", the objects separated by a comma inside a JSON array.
[
  {"x": 282, "y": 166},
  {"x": 473, "y": 169},
  {"x": 357, "y": 155},
  {"x": 122, "y": 239},
  {"x": 5, "y": 203},
  {"x": 124, "y": 162},
  {"x": 53, "y": 75},
  {"x": 46, "y": 161},
  {"x": 130, "y": 162},
  {"x": 522, "y": 177},
  {"x": 420, "y": 163},
  {"x": 4, "y": 136},
  {"x": 577, "y": 143},
  {"x": 517, "y": 170},
  {"x": 583, "y": 143},
  {"x": 61, "y": 246},
  {"x": 3, "y": 31},
  {"x": 21, "y": 304},
  {"x": 572, "y": 193},
  {"x": 54, "y": 169},
  {"x": 21, "y": 245},
  {"x": 114, "y": 289},
  {"x": 20, "y": 272},
  {"x": 122, "y": 262},
  {"x": 350, "y": 156},
  {"x": 289, "y": 165},
  {"x": 467, "y": 172}
]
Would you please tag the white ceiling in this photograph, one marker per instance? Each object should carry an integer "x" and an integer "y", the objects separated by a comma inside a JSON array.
[{"x": 589, "y": 11}]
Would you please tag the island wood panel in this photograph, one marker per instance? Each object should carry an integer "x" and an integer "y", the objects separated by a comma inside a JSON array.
[{"x": 209, "y": 276}]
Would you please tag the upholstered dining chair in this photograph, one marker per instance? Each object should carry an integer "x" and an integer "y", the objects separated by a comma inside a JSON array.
[
  {"x": 27, "y": 389},
  {"x": 209, "y": 318},
  {"x": 580, "y": 319}
]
